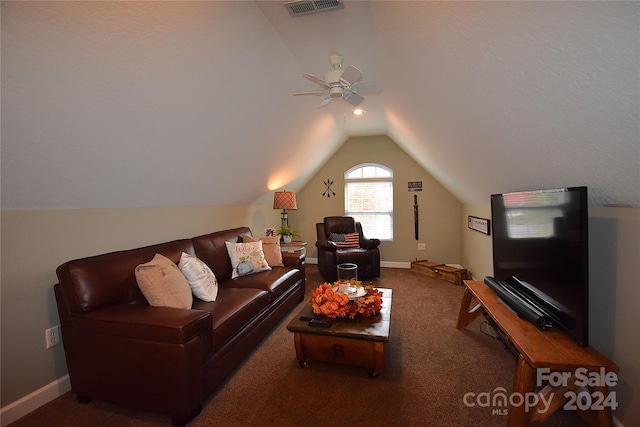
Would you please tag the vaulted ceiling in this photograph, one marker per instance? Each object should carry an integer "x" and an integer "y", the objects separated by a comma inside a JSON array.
[{"x": 136, "y": 104}]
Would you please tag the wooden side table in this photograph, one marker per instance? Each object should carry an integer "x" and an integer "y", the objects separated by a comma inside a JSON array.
[
  {"x": 293, "y": 255},
  {"x": 294, "y": 246}
]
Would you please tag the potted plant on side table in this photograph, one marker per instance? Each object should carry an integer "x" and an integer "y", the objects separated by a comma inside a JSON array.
[{"x": 287, "y": 233}]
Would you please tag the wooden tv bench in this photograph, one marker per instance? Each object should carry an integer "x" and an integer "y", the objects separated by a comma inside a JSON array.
[{"x": 551, "y": 349}]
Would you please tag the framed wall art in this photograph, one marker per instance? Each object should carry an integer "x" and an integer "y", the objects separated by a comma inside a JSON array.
[{"x": 482, "y": 225}]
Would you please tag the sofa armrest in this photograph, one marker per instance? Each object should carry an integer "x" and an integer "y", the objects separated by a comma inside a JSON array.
[
  {"x": 326, "y": 245},
  {"x": 295, "y": 261},
  {"x": 159, "y": 324},
  {"x": 150, "y": 358}
]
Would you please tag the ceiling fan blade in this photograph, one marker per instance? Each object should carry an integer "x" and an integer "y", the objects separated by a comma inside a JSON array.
[
  {"x": 367, "y": 88},
  {"x": 315, "y": 79},
  {"x": 351, "y": 75},
  {"x": 325, "y": 101},
  {"x": 353, "y": 98},
  {"x": 315, "y": 92}
]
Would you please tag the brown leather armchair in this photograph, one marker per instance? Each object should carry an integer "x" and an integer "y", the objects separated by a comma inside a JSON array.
[{"x": 366, "y": 256}]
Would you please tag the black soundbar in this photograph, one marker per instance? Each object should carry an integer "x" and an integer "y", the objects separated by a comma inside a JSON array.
[
  {"x": 548, "y": 306},
  {"x": 521, "y": 307}
]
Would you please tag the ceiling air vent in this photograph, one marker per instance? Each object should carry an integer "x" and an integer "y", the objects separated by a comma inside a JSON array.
[{"x": 306, "y": 7}]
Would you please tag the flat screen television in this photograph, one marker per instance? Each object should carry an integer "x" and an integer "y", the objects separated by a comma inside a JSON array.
[{"x": 540, "y": 253}]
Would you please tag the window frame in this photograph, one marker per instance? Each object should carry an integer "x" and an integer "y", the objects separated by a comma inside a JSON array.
[{"x": 370, "y": 179}]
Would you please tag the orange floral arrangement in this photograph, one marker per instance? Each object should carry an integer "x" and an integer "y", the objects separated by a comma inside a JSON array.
[{"x": 326, "y": 300}]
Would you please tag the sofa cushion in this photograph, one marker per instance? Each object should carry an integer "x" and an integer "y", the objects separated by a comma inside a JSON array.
[
  {"x": 202, "y": 281},
  {"x": 246, "y": 258},
  {"x": 270, "y": 247},
  {"x": 232, "y": 311},
  {"x": 163, "y": 284},
  {"x": 276, "y": 281}
]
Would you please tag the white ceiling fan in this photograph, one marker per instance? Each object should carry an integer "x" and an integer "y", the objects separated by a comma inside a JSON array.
[{"x": 345, "y": 84}]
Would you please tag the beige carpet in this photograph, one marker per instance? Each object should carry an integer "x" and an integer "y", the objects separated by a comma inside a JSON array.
[{"x": 430, "y": 366}]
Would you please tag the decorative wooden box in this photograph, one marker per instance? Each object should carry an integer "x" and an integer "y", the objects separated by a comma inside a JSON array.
[{"x": 440, "y": 271}]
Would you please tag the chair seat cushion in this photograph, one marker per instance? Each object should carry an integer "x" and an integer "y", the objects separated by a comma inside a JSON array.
[{"x": 354, "y": 255}]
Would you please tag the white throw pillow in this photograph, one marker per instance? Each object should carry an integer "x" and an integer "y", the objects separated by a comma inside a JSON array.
[
  {"x": 163, "y": 284},
  {"x": 270, "y": 247},
  {"x": 203, "y": 282},
  {"x": 246, "y": 258}
]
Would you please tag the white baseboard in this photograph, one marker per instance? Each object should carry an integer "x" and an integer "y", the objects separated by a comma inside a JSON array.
[
  {"x": 21, "y": 407},
  {"x": 395, "y": 264}
]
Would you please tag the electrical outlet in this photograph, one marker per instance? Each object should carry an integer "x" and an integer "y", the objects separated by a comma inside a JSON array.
[
  {"x": 52, "y": 336},
  {"x": 422, "y": 247}
]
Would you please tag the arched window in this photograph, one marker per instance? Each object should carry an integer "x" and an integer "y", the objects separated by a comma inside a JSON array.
[{"x": 368, "y": 195}]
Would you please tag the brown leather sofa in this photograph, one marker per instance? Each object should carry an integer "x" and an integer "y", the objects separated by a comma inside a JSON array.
[
  {"x": 366, "y": 256},
  {"x": 166, "y": 360}
]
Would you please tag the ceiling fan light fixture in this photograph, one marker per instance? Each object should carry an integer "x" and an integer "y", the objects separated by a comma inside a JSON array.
[
  {"x": 342, "y": 83},
  {"x": 335, "y": 92},
  {"x": 358, "y": 112}
]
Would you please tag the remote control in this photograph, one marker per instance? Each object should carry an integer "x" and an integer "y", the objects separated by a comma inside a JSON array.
[{"x": 316, "y": 323}]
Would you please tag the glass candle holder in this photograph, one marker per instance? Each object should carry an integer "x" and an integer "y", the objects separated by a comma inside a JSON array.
[{"x": 347, "y": 276}]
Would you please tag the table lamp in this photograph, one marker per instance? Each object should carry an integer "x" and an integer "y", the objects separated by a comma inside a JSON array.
[{"x": 284, "y": 200}]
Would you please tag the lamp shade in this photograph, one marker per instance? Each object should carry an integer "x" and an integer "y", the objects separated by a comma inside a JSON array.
[{"x": 284, "y": 200}]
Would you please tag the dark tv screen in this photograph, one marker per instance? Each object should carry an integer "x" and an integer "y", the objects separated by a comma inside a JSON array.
[{"x": 540, "y": 238}]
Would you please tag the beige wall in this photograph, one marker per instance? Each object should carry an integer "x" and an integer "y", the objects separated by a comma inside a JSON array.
[
  {"x": 439, "y": 211},
  {"x": 34, "y": 243},
  {"x": 614, "y": 292},
  {"x": 477, "y": 255}
]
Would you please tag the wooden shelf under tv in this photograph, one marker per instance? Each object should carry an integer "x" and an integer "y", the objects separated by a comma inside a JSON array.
[{"x": 551, "y": 349}]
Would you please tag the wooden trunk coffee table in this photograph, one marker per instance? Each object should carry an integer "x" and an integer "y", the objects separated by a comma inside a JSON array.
[{"x": 354, "y": 342}]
